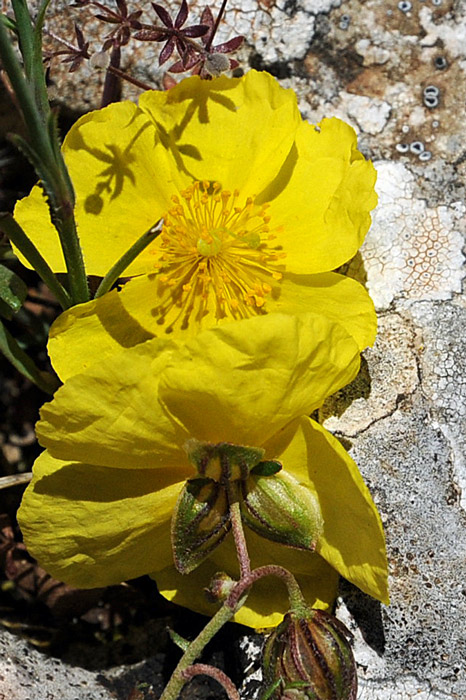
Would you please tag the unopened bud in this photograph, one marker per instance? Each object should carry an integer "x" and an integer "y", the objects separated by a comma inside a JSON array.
[
  {"x": 280, "y": 509},
  {"x": 309, "y": 657},
  {"x": 220, "y": 587},
  {"x": 200, "y": 521}
]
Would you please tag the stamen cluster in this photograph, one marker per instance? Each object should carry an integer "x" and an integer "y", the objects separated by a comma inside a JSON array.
[{"x": 211, "y": 245}]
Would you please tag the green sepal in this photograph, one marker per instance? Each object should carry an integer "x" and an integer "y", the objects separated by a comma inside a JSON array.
[
  {"x": 282, "y": 510},
  {"x": 267, "y": 468},
  {"x": 200, "y": 521},
  {"x": 13, "y": 292},
  {"x": 223, "y": 462}
]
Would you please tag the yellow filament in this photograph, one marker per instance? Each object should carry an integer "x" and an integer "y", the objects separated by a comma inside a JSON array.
[{"x": 214, "y": 248}]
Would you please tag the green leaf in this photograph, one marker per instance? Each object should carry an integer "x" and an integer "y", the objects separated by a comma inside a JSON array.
[
  {"x": 38, "y": 164},
  {"x": 177, "y": 639},
  {"x": 8, "y": 23},
  {"x": 17, "y": 236},
  {"x": 24, "y": 364},
  {"x": 13, "y": 292}
]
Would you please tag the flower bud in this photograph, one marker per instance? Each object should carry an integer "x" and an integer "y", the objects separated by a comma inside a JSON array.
[
  {"x": 220, "y": 587},
  {"x": 200, "y": 521},
  {"x": 280, "y": 509},
  {"x": 309, "y": 657}
]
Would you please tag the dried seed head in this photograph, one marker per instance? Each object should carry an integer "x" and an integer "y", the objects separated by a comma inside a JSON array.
[{"x": 216, "y": 64}]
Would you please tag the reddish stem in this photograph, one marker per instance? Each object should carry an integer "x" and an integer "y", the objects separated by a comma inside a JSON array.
[
  {"x": 111, "y": 92},
  {"x": 216, "y": 25},
  {"x": 297, "y": 602},
  {"x": 216, "y": 674},
  {"x": 240, "y": 540}
]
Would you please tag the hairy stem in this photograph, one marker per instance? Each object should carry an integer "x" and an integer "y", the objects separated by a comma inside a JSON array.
[
  {"x": 176, "y": 682},
  {"x": 17, "y": 236},
  {"x": 240, "y": 540},
  {"x": 297, "y": 601},
  {"x": 217, "y": 674}
]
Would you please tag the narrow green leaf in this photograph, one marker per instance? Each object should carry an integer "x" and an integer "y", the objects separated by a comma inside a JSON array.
[
  {"x": 13, "y": 292},
  {"x": 25, "y": 34},
  {"x": 38, "y": 73},
  {"x": 24, "y": 364},
  {"x": 37, "y": 163},
  {"x": 177, "y": 639},
  {"x": 17, "y": 236},
  {"x": 127, "y": 258},
  {"x": 8, "y": 23}
]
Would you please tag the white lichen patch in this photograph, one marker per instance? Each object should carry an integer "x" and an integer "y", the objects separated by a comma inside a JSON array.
[
  {"x": 450, "y": 33},
  {"x": 278, "y": 31},
  {"x": 369, "y": 113},
  {"x": 371, "y": 53},
  {"x": 412, "y": 251}
]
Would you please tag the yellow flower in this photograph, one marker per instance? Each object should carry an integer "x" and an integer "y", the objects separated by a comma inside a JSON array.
[
  {"x": 258, "y": 207},
  {"x": 99, "y": 507}
]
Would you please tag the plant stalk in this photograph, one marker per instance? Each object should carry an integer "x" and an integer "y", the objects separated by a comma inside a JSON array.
[{"x": 177, "y": 681}]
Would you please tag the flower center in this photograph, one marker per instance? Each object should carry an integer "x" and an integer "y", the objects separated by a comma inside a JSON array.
[{"x": 218, "y": 254}]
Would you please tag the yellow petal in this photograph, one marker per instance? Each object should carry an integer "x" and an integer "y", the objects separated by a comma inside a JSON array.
[
  {"x": 111, "y": 415},
  {"x": 243, "y": 381},
  {"x": 122, "y": 319},
  {"x": 352, "y": 541},
  {"x": 115, "y": 321},
  {"x": 337, "y": 297},
  {"x": 238, "y": 383},
  {"x": 91, "y": 526},
  {"x": 268, "y": 600},
  {"x": 235, "y": 131},
  {"x": 322, "y": 199},
  {"x": 123, "y": 184}
]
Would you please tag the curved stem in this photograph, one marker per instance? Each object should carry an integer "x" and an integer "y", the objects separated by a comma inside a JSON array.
[
  {"x": 216, "y": 674},
  {"x": 297, "y": 601}
]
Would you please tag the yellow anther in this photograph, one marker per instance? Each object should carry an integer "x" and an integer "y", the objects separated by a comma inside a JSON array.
[{"x": 215, "y": 247}]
